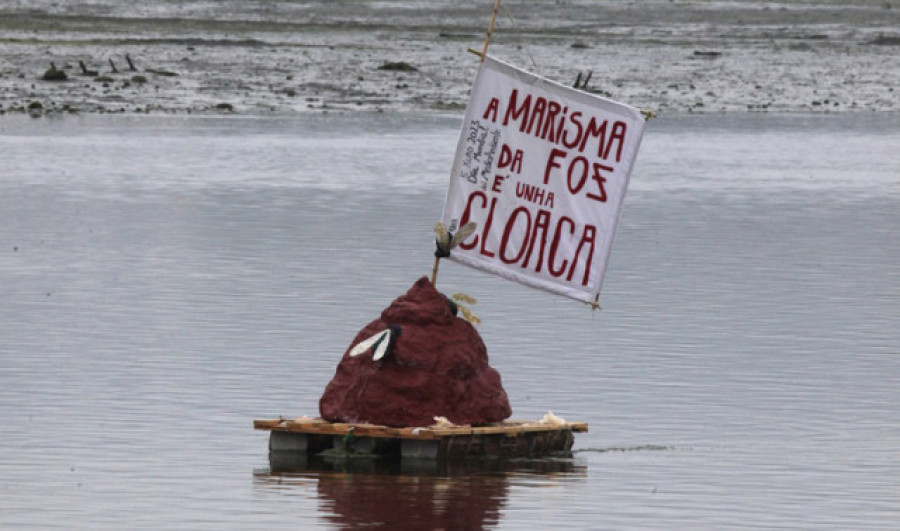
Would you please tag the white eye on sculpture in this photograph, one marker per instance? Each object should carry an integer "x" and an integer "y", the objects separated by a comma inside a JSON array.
[{"x": 380, "y": 343}]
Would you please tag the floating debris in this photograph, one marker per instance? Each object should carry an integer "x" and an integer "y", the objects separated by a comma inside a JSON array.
[
  {"x": 442, "y": 422},
  {"x": 639, "y": 448},
  {"x": 552, "y": 420}
]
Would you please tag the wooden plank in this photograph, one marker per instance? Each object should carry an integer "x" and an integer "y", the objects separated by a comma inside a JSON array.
[{"x": 323, "y": 427}]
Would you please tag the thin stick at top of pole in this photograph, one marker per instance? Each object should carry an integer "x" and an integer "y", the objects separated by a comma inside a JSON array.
[{"x": 487, "y": 38}]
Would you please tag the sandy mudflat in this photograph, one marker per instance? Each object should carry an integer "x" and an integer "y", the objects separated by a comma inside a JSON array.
[{"x": 290, "y": 56}]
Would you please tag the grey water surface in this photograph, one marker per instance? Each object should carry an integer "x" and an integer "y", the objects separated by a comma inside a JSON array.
[{"x": 166, "y": 280}]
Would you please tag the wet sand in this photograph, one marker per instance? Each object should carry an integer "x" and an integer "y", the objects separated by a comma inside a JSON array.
[{"x": 289, "y": 57}]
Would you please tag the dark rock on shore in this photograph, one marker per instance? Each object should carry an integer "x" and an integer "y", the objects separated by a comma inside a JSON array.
[
  {"x": 54, "y": 74},
  {"x": 399, "y": 66}
]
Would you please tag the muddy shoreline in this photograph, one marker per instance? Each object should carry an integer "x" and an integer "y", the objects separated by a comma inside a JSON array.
[{"x": 293, "y": 57}]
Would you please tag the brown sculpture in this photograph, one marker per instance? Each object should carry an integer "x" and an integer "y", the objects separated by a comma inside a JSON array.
[{"x": 420, "y": 362}]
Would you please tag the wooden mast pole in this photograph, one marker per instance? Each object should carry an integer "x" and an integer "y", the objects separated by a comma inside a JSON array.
[
  {"x": 487, "y": 41},
  {"x": 434, "y": 270}
]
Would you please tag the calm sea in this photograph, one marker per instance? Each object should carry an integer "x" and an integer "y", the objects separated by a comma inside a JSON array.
[{"x": 166, "y": 280}]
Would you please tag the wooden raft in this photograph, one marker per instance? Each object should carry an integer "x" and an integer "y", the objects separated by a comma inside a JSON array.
[{"x": 509, "y": 438}]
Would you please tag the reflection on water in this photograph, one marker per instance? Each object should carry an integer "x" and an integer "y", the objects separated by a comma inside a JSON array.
[{"x": 411, "y": 493}]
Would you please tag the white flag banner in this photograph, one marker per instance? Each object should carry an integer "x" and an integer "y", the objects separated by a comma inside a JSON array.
[{"x": 542, "y": 169}]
